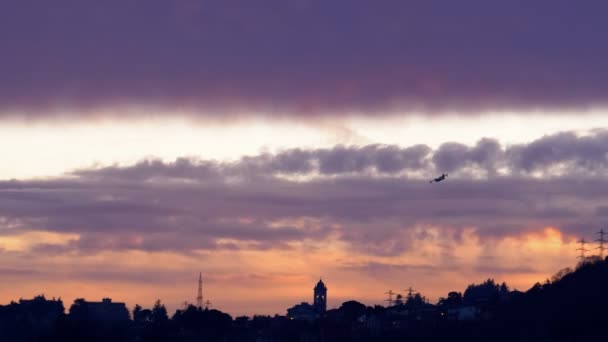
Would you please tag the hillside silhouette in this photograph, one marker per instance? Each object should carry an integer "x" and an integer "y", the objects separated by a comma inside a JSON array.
[{"x": 571, "y": 306}]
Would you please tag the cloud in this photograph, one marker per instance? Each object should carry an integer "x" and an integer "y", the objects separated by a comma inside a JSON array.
[
  {"x": 563, "y": 153},
  {"x": 362, "y": 215},
  {"x": 301, "y": 56},
  {"x": 493, "y": 270},
  {"x": 587, "y": 154},
  {"x": 372, "y": 198},
  {"x": 13, "y": 272},
  {"x": 379, "y": 269}
]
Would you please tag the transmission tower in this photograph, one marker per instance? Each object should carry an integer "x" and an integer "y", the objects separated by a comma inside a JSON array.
[
  {"x": 601, "y": 241},
  {"x": 410, "y": 292},
  {"x": 582, "y": 249},
  {"x": 207, "y": 304},
  {"x": 390, "y": 300},
  {"x": 199, "y": 298}
]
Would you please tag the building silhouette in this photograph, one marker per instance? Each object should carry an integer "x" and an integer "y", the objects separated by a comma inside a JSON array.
[
  {"x": 305, "y": 311},
  {"x": 104, "y": 311},
  {"x": 320, "y": 297},
  {"x": 302, "y": 311}
]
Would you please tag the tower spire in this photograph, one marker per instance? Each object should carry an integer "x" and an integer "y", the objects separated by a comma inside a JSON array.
[
  {"x": 199, "y": 298},
  {"x": 320, "y": 297}
]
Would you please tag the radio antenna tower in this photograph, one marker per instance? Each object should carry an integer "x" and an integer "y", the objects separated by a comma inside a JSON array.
[
  {"x": 207, "y": 304},
  {"x": 410, "y": 292},
  {"x": 601, "y": 241},
  {"x": 390, "y": 294},
  {"x": 199, "y": 298},
  {"x": 582, "y": 249}
]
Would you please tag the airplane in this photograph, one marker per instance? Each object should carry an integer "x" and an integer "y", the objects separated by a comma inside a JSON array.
[{"x": 439, "y": 179}]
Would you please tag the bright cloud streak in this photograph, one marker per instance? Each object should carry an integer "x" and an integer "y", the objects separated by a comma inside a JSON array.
[{"x": 44, "y": 149}]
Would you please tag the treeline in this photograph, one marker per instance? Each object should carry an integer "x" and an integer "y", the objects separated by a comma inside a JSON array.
[{"x": 571, "y": 306}]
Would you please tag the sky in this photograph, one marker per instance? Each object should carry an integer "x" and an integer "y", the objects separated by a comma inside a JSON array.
[{"x": 143, "y": 142}]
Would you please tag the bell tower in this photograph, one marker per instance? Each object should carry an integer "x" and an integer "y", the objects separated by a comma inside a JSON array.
[{"x": 320, "y": 297}]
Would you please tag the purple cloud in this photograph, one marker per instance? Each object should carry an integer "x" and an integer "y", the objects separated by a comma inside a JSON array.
[
  {"x": 302, "y": 56},
  {"x": 361, "y": 195}
]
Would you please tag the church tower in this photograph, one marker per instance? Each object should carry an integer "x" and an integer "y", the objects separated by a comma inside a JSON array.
[{"x": 320, "y": 297}]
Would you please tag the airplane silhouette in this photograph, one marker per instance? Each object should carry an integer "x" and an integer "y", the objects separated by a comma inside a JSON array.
[{"x": 439, "y": 179}]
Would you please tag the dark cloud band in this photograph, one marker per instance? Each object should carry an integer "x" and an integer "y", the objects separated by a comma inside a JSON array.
[{"x": 302, "y": 56}]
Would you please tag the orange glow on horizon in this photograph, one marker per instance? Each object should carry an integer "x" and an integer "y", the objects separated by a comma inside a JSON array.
[{"x": 269, "y": 281}]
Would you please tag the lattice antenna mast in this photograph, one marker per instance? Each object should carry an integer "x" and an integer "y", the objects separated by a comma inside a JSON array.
[
  {"x": 582, "y": 249},
  {"x": 410, "y": 292},
  {"x": 207, "y": 304},
  {"x": 199, "y": 298},
  {"x": 390, "y": 300},
  {"x": 601, "y": 241}
]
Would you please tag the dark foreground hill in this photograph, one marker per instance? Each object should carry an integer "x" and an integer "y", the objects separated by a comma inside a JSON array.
[{"x": 571, "y": 307}]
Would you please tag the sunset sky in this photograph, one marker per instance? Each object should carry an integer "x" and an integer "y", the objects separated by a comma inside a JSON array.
[{"x": 268, "y": 144}]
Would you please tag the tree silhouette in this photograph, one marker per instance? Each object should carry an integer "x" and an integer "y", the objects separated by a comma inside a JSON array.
[
  {"x": 488, "y": 291},
  {"x": 352, "y": 310},
  {"x": 159, "y": 313}
]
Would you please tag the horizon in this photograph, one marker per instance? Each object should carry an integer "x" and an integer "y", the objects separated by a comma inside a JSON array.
[
  {"x": 145, "y": 142},
  {"x": 333, "y": 303}
]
